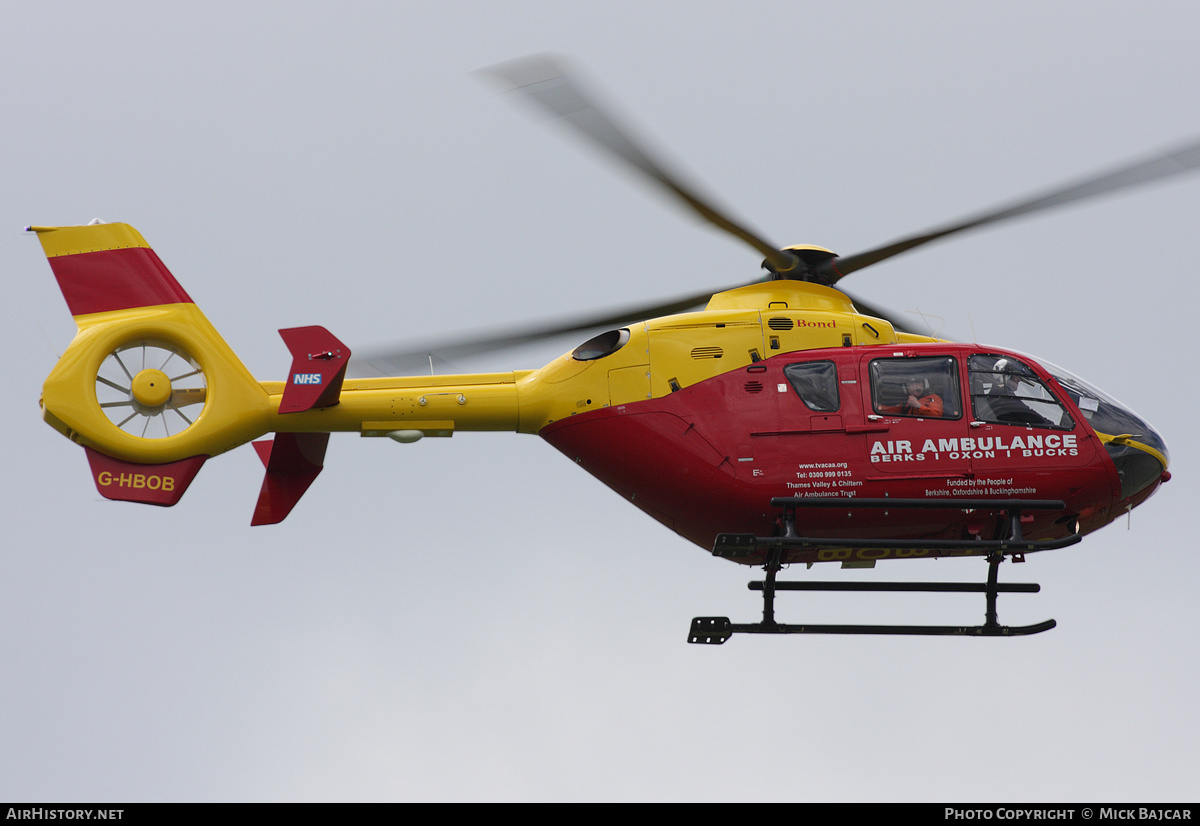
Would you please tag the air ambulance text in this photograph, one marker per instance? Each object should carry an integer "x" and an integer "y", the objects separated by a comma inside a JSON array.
[{"x": 980, "y": 447}]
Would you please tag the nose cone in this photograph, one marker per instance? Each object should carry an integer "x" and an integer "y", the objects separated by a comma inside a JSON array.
[
  {"x": 1141, "y": 466},
  {"x": 1136, "y": 448}
]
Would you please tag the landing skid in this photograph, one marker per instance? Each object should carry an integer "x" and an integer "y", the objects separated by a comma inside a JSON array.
[{"x": 716, "y": 630}]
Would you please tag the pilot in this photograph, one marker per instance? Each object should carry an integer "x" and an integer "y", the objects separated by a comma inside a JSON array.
[
  {"x": 1004, "y": 399},
  {"x": 920, "y": 401}
]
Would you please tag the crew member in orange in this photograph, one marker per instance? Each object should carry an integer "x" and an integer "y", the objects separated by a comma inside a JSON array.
[{"x": 920, "y": 401}]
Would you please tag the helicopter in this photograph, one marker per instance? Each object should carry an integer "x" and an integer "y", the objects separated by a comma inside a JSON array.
[{"x": 784, "y": 423}]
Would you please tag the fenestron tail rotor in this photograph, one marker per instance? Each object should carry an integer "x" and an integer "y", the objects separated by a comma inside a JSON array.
[{"x": 150, "y": 389}]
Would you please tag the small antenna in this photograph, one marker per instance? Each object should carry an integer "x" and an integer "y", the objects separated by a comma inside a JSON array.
[
  {"x": 925, "y": 318},
  {"x": 57, "y": 355}
]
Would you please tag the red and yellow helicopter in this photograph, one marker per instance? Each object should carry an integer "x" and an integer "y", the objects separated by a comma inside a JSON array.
[{"x": 780, "y": 424}]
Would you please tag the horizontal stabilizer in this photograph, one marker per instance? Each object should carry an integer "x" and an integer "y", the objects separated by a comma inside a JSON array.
[
  {"x": 293, "y": 461},
  {"x": 318, "y": 369},
  {"x": 149, "y": 484}
]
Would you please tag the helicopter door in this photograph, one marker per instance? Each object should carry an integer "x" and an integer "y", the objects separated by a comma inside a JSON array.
[
  {"x": 796, "y": 421},
  {"x": 915, "y": 426},
  {"x": 817, "y": 385},
  {"x": 1016, "y": 412}
]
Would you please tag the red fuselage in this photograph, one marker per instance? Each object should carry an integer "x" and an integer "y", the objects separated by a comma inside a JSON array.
[{"x": 708, "y": 458}]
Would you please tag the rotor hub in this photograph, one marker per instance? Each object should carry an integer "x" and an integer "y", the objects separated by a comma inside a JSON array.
[{"x": 151, "y": 388}]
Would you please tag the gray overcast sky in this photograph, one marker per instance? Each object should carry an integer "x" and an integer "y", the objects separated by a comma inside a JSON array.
[{"x": 476, "y": 618}]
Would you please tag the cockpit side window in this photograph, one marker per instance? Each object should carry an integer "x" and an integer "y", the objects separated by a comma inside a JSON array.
[
  {"x": 925, "y": 388},
  {"x": 816, "y": 382},
  {"x": 1005, "y": 391}
]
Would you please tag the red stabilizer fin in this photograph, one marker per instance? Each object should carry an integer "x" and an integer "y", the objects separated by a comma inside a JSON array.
[
  {"x": 293, "y": 461},
  {"x": 318, "y": 369},
  {"x": 149, "y": 484}
]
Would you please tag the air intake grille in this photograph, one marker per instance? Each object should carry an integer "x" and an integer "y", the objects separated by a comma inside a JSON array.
[
  {"x": 707, "y": 353},
  {"x": 754, "y": 386},
  {"x": 778, "y": 323}
]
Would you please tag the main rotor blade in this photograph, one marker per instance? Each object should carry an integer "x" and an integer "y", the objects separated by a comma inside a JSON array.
[
  {"x": 410, "y": 361},
  {"x": 544, "y": 83},
  {"x": 1156, "y": 167}
]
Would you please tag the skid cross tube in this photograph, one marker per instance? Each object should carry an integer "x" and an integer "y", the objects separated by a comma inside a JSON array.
[{"x": 716, "y": 630}]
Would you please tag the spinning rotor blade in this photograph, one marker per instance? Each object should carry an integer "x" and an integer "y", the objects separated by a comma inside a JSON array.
[
  {"x": 1162, "y": 165},
  {"x": 410, "y": 361},
  {"x": 544, "y": 83}
]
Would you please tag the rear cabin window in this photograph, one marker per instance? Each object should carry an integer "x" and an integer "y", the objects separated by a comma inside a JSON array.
[
  {"x": 1005, "y": 391},
  {"x": 816, "y": 382},
  {"x": 924, "y": 388}
]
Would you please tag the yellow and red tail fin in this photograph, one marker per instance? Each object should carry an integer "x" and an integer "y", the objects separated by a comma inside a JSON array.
[
  {"x": 106, "y": 267},
  {"x": 151, "y": 390},
  {"x": 148, "y": 386}
]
